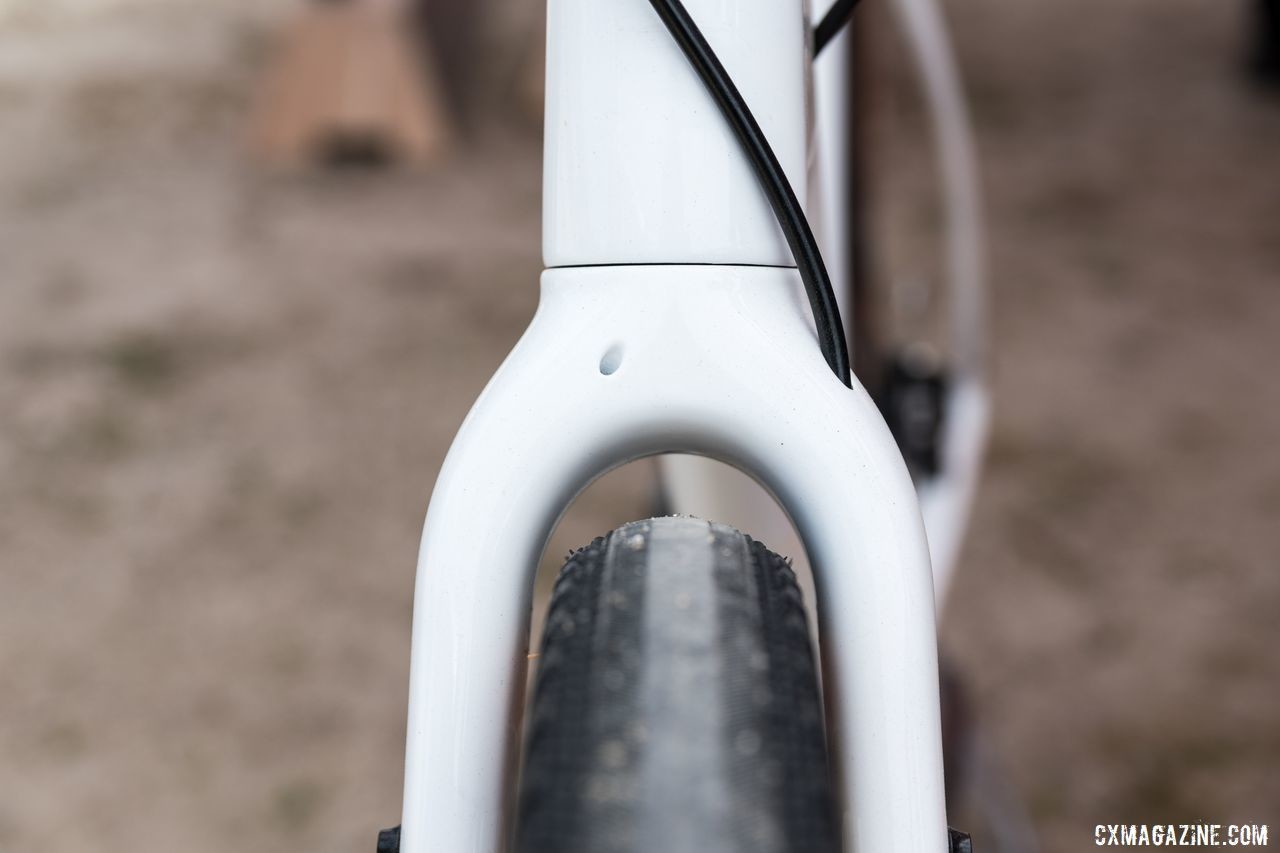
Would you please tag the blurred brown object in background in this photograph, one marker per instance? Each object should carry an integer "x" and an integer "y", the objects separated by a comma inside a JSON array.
[
  {"x": 531, "y": 85},
  {"x": 347, "y": 88},
  {"x": 451, "y": 30}
]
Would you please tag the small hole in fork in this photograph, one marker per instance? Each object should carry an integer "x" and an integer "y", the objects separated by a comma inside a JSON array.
[{"x": 611, "y": 360}]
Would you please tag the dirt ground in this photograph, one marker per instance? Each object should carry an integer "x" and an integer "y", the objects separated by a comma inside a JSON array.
[{"x": 224, "y": 397}]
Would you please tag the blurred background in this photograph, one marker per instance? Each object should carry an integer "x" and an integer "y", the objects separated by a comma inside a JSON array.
[{"x": 236, "y": 340}]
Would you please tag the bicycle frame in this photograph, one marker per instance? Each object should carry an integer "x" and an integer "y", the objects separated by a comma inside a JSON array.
[
  {"x": 693, "y": 487},
  {"x": 670, "y": 320}
]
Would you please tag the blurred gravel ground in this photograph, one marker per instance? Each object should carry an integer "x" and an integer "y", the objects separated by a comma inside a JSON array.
[
  {"x": 1119, "y": 606},
  {"x": 224, "y": 398}
]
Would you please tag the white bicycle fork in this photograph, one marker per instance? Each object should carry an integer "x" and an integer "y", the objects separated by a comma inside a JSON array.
[{"x": 671, "y": 320}]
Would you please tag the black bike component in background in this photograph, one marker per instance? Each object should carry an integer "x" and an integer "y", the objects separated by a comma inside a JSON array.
[
  {"x": 832, "y": 23},
  {"x": 389, "y": 840},
  {"x": 912, "y": 397},
  {"x": 1264, "y": 57}
]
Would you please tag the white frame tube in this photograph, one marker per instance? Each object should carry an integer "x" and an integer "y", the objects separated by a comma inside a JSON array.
[
  {"x": 764, "y": 401},
  {"x": 946, "y": 499},
  {"x": 695, "y": 487}
]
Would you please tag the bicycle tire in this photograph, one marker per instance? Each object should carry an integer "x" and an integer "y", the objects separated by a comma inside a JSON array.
[{"x": 676, "y": 705}]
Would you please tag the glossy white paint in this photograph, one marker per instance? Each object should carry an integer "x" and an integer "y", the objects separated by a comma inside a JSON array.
[
  {"x": 925, "y": 33},
  {"x": 639, "y": 165},
  {"x": 696, "y": 487},
  {"x": 829, "y": 164},
  {"x": 713, "y": 360},
  {"x": 947, "y": 499}
]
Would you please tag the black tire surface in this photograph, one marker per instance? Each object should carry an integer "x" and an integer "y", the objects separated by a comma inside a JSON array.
[{"x": 676, "y": 707}]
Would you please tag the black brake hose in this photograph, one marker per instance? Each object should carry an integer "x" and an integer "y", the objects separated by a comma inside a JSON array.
[
  {"x": 782, "y": 198},
  {"x": 832, "y": 23}
]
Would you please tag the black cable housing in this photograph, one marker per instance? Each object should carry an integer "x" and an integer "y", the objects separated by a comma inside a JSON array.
[
  {"x": 782, "y": 198},
  {"x": 832, "y": 23}
]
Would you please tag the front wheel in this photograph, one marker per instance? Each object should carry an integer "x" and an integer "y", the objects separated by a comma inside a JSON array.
[{"x": 676, "y": 706}]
